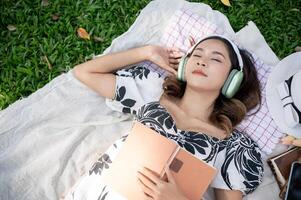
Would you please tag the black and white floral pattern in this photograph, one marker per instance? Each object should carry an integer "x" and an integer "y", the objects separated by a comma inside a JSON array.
[
  {"x": 237, "y": 158},
  {"x": 102, "y": 163}
]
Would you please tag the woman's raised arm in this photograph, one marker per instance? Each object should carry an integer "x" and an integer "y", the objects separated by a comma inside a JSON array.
[{"x": 98, "y": 75}]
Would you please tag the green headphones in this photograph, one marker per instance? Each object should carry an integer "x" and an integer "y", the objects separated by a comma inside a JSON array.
[{"x": 233, "y": 80}]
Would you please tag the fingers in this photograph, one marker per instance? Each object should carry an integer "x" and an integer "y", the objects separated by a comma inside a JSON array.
[
  {"x": 147, "y": 197},
  {"x": 288, "y": 140},
  {"x": 297, "y": 142},
  {"x": 172, "y": 72},
  {"x": 169, "y": 175},
  {"x": 147, "y": 191},
  {"x": 177, "y": 54},
  {"x": 174, "y": 52},
  {"x": 147, "y": 184},
  {"x": 171, "y": 69},
  {"x": 153, "y": 187},
  {"x": 174, "y": 66},
  {"x": 174, "y": 60},
  {"x": 174, "y": 56},
  {"x": 151, "y": 175},
  {"x": 173, "y": 49},
  {"x": 191, "y": 41}
]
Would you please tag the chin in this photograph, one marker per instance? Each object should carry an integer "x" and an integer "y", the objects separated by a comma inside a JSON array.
[
  {"x": 202, "y": 85},
  {"x": 197, "y": 85}
]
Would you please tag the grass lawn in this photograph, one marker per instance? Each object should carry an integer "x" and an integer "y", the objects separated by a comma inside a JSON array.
[{"x": 45, "y": 43}]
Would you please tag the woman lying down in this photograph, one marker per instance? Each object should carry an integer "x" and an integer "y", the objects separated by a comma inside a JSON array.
[{"x": 202, "y": 101}]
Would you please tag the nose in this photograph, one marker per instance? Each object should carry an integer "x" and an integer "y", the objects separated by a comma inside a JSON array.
[{"x": 202, "y": 64}]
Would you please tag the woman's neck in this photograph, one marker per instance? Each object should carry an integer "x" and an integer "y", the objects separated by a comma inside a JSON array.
[
  {"x": 192, "y": 112},
  {"x": 198, "y": 104}
]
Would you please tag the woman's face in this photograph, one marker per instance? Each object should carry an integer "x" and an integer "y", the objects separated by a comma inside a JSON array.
[{"x": 208, "y": 66}]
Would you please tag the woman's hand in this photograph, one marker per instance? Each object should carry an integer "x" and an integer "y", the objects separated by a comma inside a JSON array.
[
  {"x": 291, "y": 140},
  {"x": 157, "y": 189},
  {"x": 166, "y": 58}
]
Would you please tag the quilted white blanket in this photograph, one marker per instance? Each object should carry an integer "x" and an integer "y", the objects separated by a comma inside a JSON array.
[{"x": 50, "y": 138}]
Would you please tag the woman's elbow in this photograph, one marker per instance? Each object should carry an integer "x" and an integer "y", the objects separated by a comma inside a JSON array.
[{"x": 78, "y": 72}]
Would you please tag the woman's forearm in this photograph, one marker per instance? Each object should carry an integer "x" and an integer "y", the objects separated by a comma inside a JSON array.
[
  {"x": 221, "y": 194},
  {"x": 115, "y": 61}
]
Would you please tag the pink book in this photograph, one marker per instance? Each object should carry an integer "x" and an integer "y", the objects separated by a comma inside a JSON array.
[{"x": 146, "y": 148}]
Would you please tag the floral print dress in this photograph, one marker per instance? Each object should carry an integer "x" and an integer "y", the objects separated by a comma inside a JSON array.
[{"x": 237, "y": 158}]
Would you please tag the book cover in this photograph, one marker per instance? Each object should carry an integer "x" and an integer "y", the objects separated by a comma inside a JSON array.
[
  {"x": 146, "y": 148},
  {"x": 281, "y": 165}
]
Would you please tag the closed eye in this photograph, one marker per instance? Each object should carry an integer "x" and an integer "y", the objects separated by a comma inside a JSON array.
[{"x": 217, "y": 60}]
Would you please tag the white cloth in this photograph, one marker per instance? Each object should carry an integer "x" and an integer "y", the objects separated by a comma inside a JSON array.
[{"x": 50, "y": 138}]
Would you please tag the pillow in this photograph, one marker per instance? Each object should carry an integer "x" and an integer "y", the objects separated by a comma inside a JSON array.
[{"x": 184, "y": 23}]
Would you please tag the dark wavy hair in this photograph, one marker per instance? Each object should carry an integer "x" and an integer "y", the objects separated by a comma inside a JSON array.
[{"x": 227, "y": 113}]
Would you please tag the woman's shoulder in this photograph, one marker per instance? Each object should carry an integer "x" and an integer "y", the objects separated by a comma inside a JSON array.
[
  {"x": 242, "y": 166},
  {"x": 240, "y": 138},
  {"x": 151, "y": 106},
  {"x": 138, "y": 72},
  {"x": 135, "y": 86}
]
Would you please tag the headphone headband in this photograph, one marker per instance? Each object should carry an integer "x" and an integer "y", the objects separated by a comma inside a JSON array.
[{"x": 234, "y": 46}]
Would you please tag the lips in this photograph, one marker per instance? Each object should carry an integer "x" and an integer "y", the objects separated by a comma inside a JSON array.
[{"x": 199, "y": 72}]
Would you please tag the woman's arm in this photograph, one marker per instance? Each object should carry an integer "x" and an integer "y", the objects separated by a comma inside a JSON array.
[
  {"x": 112, "y": 62},
  {"x": 221, "y": 194},
  {"x": 98, "y": 75}
]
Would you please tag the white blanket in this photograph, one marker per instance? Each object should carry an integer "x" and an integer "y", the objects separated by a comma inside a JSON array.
[{"x": 50, "y": 138}]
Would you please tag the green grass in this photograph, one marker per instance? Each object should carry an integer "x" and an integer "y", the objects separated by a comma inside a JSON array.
[{"x": 23, "y": 68}]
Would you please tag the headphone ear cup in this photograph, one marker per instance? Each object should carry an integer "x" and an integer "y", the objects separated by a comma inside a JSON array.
[
  {"x": 232, "y": 83},
  {"x": 181, "y": 69}
]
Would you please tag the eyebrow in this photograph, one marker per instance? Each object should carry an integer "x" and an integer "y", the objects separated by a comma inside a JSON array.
[{"x": 214, "y": 52}]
